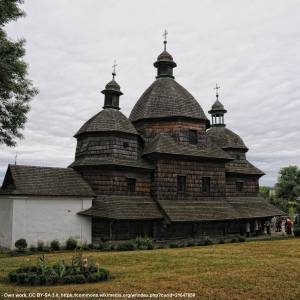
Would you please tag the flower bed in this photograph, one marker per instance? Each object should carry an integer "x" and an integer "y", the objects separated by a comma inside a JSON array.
[{"x": 79, "y": 271}]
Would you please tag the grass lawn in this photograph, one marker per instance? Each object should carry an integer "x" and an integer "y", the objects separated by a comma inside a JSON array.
[{"x": 254, "y": 270}]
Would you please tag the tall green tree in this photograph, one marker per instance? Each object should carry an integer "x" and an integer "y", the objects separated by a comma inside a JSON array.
[
  {"x": 16, "y": 89},
  {"x": 264, "y": 191},
  {"x": 288, "y": 185}
]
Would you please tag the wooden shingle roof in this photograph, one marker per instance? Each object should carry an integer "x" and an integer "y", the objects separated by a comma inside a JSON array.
[
  {"x": 198, "y": 211},
  {"x": 93, "y": 161},
  {"x": 243, "y": 167},
  {"x": 224, "y": 138},
  {"x": 44, "y": 181},
  {"x": 254, "y": 207},
  {"x": 166, "y": 98},
  {"x": 165, "y": 144},
  {"x": 108, "y": 120},
  {"x": 124, "y": 208}
]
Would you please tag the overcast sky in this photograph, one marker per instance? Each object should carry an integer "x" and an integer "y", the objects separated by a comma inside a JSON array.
[{"x": 251, "y": 48}]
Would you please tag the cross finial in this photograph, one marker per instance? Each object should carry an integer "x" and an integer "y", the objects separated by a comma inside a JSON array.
[
  {"x": 217, "y": 90},
  {"x": 114, "y": 69},
  {"x": 165, "y": 39}
]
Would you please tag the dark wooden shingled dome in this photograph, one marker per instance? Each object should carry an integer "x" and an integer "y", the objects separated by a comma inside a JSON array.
[
  {"x": 166, "y": 98},
  {"x": 108, "y": 119},
  {"x": 224, "y": 138}
]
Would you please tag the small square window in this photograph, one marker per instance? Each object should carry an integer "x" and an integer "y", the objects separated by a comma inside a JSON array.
[
  {"x": 205, "y": 184},
  {"x": 181, "y": 184},
  {"x": 238, "y": 157},
  {"x": 239, "y": 186},
  {"x": 131, "y": 184},
  {"x": 193, "y": 136},
  {"x": 125, "y": 144}
]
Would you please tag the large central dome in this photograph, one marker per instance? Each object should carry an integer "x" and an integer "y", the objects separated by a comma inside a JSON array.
[{"x": 165, "y": 97}]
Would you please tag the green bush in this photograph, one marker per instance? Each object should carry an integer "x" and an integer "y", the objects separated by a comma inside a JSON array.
[
  {"x": 21, "y": 245},
  {"x": 99, "y": 246},
  {"x": 93, "y": 277},
  {"x": 33, "y": 248},
  {"x": 221, "y": 241},
  {"x": 242, "y": 239},
  {"x": 234, "y": 240},
  {"x": 103, "y": 274},
  {"x": 174, "y": 245},
  {"x": 40, "y": 246},
  {"x": 22, "y": 278},
  {"x": 71, "y": 244},
  {"x": 12, "y": 277},
  {"x": 46, "y": 248},
  {"x": 59, "y": 273},
  {"x": 190, "y": 244},
  {"x": 85, "y": 246},
  {"x": 208, "y": 242},
  {"x": 297, "y": 231},
  {"x": 144, "y": 243},
  {"x": 126, "y": 246},
  {"x": 92, "y": 246},
  {"x": 55, "y": 245}
]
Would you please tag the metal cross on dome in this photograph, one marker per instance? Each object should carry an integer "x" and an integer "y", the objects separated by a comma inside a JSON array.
[
  {"x": 114, "y": 69},
  {"x": 165, "y": 39},
  {"x": 217, "y": 90}
]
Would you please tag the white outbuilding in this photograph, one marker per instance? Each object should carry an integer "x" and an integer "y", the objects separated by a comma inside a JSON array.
[{"x": 42, "y": 204}]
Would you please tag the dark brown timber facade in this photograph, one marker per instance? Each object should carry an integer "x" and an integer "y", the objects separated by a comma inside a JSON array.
[{"x": 166, "y": 172}]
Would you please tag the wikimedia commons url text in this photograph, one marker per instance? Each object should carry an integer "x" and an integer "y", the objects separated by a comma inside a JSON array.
[{"x": 96, "y": 295}]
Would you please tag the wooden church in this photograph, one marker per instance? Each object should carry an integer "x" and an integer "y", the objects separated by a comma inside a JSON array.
[{"x": 165, "y": 172}]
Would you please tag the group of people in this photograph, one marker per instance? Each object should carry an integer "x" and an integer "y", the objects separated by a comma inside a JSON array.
[
  {"x": 276, "y": 224},
  {"x": 284, "y": 225}
]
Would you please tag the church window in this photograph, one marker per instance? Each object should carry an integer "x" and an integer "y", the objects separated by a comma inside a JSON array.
[
  {"x": 125, "y": 144},
  {"x": 205, "y": 184},
  {"x": 193, "y": 136},
  {"x": 181, "y": 183},
  {"x": 131, "y": 183},
  {"x": 239, "y": 186},
  {"x": 238, "y": 157}
]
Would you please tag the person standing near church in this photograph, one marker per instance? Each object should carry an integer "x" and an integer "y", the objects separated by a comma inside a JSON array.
[
  {"x": 268, "y": 226},
  {"x": 283, "y": 223},
  {"x": 256, "y": 228},
  {"x": 289, "y": 226},
  {"x": 248, "y": 229}
]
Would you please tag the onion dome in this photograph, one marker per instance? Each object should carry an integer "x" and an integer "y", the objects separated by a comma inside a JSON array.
[
  {"x": 218, "y": 107},
  {"x": 113, "y": 86},
  {"x": 165, "y": 97},
  {"x": 110, "y": 118},
  {"x": 224, "y": 138}
]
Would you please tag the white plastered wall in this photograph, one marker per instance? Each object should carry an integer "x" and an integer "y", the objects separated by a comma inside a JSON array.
[
  {"x": 50, "y": 218},
  {"x": 6, "y": 216}
]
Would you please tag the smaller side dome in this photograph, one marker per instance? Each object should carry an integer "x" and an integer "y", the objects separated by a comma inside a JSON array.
[
  {"x": 217, "y": 111},
  {"x": 165, "y": 56},
  {"x": 113, "y": 86},
  {"x": 107, "y": 120},
  {"x": 217, "y": 106},
  {"x": 224, "y": 138}
]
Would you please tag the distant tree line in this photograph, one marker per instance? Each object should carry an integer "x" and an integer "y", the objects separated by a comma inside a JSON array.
[{"x": 286, "y": 193}]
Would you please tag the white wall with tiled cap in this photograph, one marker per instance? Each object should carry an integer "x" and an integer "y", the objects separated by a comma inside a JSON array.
[{"x": 38, "y": 218}]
